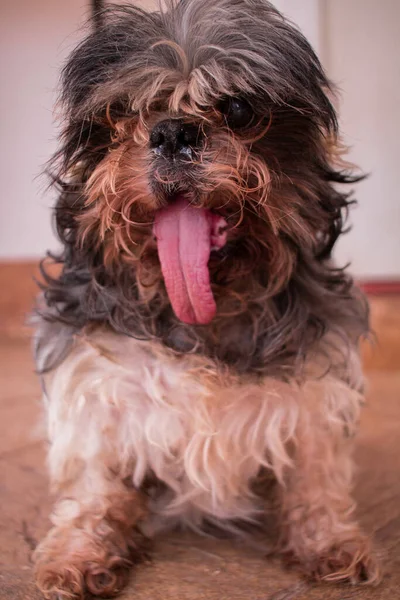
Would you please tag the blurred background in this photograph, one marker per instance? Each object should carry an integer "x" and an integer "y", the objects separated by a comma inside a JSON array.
[{"x": 358, "y": 43}]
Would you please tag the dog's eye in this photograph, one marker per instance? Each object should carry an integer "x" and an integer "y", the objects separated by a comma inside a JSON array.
[{"x": 237, "y": 112}]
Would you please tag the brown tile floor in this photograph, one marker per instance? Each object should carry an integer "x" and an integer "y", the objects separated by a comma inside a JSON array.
[{"x": 188, "y": 567}]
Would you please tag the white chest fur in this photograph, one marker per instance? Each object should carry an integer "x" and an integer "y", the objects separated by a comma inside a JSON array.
[{"x": 204, "y": 434}]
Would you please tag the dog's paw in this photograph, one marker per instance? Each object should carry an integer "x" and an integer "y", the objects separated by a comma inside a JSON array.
[
  {"x": 350, "y": 561},
  {"x": 70, "y": 564}
]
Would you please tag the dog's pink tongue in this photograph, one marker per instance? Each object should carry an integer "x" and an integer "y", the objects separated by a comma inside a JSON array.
[{"x": 185, "y": 236}]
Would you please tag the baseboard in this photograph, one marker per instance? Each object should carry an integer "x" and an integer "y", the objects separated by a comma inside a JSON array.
[
  {"x": 17, "y": 293},
  {"x": 381, "y": 287},
  {"x": 18, "y": 290}
]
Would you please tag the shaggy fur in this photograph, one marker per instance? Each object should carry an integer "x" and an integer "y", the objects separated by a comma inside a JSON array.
[{"x": 137, "y": 399}]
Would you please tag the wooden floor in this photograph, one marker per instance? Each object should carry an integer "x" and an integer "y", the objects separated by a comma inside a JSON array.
[{"x": 188, "y": 567}]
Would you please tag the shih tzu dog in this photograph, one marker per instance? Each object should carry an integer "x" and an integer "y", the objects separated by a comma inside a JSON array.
[{"x": 198, "y": 334}]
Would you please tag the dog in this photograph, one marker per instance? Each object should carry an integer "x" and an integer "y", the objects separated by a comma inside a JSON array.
[{"x": 198, "y": 335}]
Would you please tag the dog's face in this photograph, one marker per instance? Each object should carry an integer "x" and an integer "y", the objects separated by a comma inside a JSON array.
[{"x": 199, "y": 141}]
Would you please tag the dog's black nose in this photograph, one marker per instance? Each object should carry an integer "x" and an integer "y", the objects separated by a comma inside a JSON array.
[{"x": 173, "y": 138}]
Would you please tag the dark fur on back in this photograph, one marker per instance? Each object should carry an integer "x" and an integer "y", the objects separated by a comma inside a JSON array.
[{"x": 277, "y": 291}]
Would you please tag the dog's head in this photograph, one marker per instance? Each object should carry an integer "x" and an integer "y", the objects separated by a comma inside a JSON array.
[{"x": 198, "y": 153}]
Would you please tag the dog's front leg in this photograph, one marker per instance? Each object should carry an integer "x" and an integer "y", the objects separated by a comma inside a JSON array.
[
  {"x": 319, "y": 530},
  {"x": 93, "y": 542},
  {"x": 94, "y": 539}
]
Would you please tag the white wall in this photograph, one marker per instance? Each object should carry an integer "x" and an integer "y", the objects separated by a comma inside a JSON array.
[
  {"x": 35, "y": 36},
  {"x": 363, "y": 57},
  {"x": 360, "y": 45}
]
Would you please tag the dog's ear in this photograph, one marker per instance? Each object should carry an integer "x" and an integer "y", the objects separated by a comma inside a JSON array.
[
  {"x": 117, "y": 40},
  {"x": 117, "y": 36}
]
